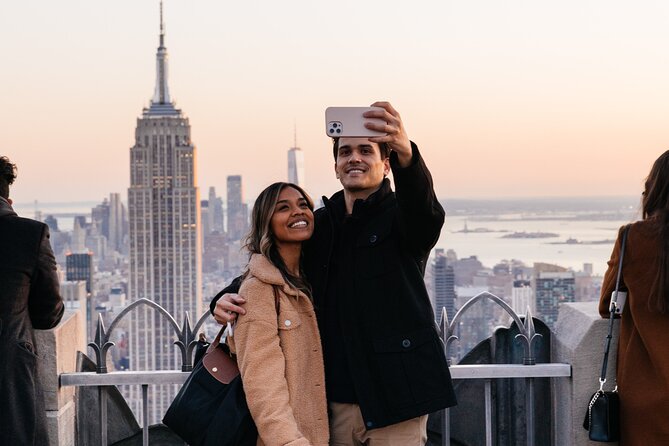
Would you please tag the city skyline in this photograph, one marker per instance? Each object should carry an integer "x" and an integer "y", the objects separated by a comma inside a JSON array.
[{"x": 507, "y": 100}]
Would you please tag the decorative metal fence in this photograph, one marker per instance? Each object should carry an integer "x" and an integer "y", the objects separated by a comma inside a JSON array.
[
  {"x": 186, "y": 341},
  {"x": 529, "y": 370}
]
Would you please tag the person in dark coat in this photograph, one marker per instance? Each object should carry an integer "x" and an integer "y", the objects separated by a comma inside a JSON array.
[
  {"x": 385, "y": 367},
  {"x": 642, "y": 374},
  {"x": 29, "y": 299}
]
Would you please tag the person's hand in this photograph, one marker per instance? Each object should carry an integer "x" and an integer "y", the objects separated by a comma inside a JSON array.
[
  {"x": 227, "y": 308},
  {"x": 396, "y": 136}
]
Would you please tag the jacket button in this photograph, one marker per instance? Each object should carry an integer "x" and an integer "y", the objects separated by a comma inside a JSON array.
[
  {"x": 369, "y": 424},
  {"x": 406, "y": 343},
  {"x": 373, "y": 239},
  {"x": 287, "y": 323},
  {"x": 215, "y": 369}
]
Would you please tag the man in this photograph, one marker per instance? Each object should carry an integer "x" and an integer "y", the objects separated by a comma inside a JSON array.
[
  {"x": 385, "y": 368},
  {"x": 29, "y": 298}
]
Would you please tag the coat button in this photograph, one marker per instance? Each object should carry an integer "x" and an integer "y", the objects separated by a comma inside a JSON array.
[
  {"x": 215, "y": 369},
  {"x": 287, "y": 323},
  {"x": 369, "y": 424},
  {"x": 406, "y": 343},
  {"x": 373, "y": 239}
]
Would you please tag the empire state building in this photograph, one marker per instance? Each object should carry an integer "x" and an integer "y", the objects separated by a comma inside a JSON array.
[{"x": 165, "y": 254}]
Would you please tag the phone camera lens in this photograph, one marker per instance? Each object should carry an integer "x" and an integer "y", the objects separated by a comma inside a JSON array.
[
  {"x": 331, "y": 130},
  {"x": 338, "y": 130}
]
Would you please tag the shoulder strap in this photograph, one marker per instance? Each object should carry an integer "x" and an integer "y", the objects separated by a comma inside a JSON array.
[
  {"x": 276, "y": 298},
  {"x": 612, "y": 309}
]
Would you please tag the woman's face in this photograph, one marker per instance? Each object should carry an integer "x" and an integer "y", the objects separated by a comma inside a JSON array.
[{"x": 292, "y": 220}]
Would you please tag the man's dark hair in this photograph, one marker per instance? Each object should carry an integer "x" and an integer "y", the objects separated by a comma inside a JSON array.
[
  {"x": 7, "y": 175},
  {"x": 385, "y": 150}
]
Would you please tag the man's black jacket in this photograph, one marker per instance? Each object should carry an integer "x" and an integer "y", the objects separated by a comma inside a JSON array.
[
  {"x": 29, "y": 299},
  {"x": 394, "y": 353}
]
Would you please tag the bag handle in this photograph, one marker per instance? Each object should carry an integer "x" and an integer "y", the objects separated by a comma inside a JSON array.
[
  {"x": 225, "y": 331},
  {"x": 612, "y": 310}
]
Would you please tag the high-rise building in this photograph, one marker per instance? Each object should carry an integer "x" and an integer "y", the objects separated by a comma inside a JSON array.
[
  {"x": 296, "y": 166},
  {"x": 205, "y": 226},
  {"x": 78, "y": 238},
  {"x": 552, "y": 285},
  {"x": 237, "y": 209},
  {"x": 444, "y": 285},
  {"x": 116, "y": 225},
  {"x": 522, "y": 297},
  {"x": 100, "y": 218},
  {"x": 108, "y": 218},
  {"x": 215, "y": 212},
  {"x": 80, "y": 267},
  {"x": 164, "y": 219}
]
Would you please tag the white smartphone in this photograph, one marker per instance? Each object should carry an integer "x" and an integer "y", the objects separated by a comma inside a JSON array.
[{"x": 349, "y": 122}]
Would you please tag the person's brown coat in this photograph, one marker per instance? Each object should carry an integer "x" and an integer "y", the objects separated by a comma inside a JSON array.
[
  {"x": 281, "y": 360},
  {"x": 29, "y": 298},
  {"x": 643, "y": 349}
]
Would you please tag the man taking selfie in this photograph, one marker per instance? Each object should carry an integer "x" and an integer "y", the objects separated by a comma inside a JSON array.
[{"x": 385, "y": 367}]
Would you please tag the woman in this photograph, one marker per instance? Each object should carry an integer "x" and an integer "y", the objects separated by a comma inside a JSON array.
[
  {"x": 643, "y": 347},
  {"x": 277, "y": 341}
]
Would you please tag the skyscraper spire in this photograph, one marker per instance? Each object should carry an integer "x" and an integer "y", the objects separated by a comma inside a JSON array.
[
  {"x": 294, "y": 133},
  {"x": 162, "y": 27},
  {"x": 161, "y": 104}
]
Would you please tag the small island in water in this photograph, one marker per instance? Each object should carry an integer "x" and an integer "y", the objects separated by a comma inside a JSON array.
[
  {"x": 466, "y": 230},
  {"x": 524, "y": 234},
  {"x": 573, "y": 241}
]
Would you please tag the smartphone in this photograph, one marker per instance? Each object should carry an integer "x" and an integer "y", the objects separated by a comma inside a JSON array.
[{"x": 349, "y": 122}]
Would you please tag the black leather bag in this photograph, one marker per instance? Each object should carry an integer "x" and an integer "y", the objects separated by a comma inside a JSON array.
[
  {"x": 602, "y": 419},
  {"x": 210, "y": 409}
]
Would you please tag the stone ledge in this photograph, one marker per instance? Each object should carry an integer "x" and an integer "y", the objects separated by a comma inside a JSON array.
[{"x": 579, "y": 340}]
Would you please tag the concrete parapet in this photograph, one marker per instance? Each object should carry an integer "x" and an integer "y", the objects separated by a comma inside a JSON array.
[
  {"x": 579, "y": 337},
  {"x": 58, "y": 353}
]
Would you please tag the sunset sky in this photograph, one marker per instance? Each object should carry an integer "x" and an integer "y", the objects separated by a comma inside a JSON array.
[{"x": 505, "y": 98}]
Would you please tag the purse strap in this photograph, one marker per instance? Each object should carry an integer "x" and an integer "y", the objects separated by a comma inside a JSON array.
[{"x": 612, "y": 310}]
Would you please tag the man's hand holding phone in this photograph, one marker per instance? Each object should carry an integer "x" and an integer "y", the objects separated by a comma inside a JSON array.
[{"x": 395, "y": 135}]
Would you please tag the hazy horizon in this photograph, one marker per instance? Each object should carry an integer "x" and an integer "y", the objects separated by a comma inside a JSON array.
[
  {"x": 505, "y": 99},
  {"x": 602, "y": 201}
]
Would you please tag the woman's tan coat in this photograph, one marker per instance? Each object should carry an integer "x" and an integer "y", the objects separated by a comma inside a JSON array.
[
  {"x": 643, "y": 349},
  {"x": 281, "y": 360}
]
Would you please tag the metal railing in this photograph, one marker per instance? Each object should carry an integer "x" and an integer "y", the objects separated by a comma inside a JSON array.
[
  {"x": 529, "y": 370},
  {"x": 186, "y": 341}
]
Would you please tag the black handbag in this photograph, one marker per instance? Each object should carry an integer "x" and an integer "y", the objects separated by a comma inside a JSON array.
[
  {"x": 210, "y": 409},
  {"x": 602, "y": 417}
]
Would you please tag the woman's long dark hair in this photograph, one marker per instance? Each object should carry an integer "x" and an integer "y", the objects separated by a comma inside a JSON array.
[
  {"x": 260, "y": 239},
  {"x": 655, "y": 204}
]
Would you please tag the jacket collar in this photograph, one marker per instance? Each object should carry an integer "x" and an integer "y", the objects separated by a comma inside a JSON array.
[
  {"x": 6, "y": 209},
  {"x": 262, "y": 269},
  {"x": 361, "y": 207}
]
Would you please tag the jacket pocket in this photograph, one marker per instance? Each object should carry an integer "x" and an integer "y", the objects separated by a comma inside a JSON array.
[
  {"x": 27, "y": 347},
  {"x": 411, "y": 367},
  {"x": 289, "y": 322},
  {"x": 377, "y": 252}
]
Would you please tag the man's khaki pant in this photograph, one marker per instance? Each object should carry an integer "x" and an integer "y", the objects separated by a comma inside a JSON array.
[{"x": 347, "y": 428}]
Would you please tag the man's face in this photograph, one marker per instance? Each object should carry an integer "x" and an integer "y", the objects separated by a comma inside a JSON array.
[{"x": 359, "y": 166}]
